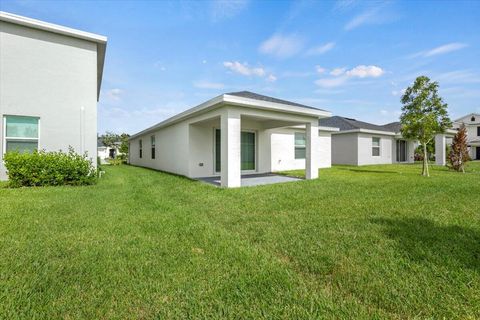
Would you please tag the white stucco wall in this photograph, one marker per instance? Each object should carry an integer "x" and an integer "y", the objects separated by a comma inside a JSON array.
[
  {"x": 365, "y": 149},
  {"x": 187, "y": 148},
  {"x": 53, "y": 77},
  {"x": 171, "y": 150}
]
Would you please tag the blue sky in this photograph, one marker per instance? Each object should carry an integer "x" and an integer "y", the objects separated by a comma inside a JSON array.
[{"x": 350, "y": 57}]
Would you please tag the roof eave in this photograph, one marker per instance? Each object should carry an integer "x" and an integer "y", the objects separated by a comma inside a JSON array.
[
  {"x": 226, "y": 99},
  {"x": 100, "y": 40}
]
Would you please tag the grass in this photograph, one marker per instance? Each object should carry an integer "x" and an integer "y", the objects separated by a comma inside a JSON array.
[{"x": 359, "y": 242}]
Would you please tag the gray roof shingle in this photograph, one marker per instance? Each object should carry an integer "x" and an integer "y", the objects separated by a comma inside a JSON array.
[
  {"x": 256, "y": 96},
  {"x": 345, "y": 124}
]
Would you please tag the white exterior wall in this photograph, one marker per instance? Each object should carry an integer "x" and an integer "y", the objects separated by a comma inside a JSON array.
[
  {"x": 53, "y": 77},
  {"x": 365, "y": 149},
  {"x": 283, "y": 150},
  {"x": 171, "y": 150},
  {"x": 345, "y": 148},
  {"x": 187, "y": 147}
]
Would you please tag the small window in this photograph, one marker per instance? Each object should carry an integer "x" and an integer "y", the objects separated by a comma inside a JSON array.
[
  {"x": 375, "y": 147},
  {"x": 472, "y": 119},
  {"x": 478, "y": 131},
  {"x": 152, "y": 142},
  {"x": 140, "y": 147},
  {"x": 21, "y": 133},
  {"x": 300, "y": 145}
]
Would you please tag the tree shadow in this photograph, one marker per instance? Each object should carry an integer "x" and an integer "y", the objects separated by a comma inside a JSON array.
[
  {"x": 368, "y": 171},
  {"x": 424, "y": 241}
]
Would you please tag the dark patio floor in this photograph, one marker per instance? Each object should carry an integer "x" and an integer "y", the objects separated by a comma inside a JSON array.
[{"x": 249, "y": 180}]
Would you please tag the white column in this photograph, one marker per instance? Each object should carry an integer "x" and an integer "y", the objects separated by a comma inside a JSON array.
[
  {"x": 440, "y": 150},
  {"x": 230, "y": 148},
  {"x": 411, "y": 151},
  {"x": 311, "y": 161}
]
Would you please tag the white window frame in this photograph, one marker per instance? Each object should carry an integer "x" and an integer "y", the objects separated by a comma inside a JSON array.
[
  {"x": 379, "y": 146},
  {"x": 5, "y": 138}
]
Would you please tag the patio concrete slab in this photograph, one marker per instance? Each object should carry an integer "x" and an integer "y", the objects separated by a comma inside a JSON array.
[{"x": 254, "y": 179}]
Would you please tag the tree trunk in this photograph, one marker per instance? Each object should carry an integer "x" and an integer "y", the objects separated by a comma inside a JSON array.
[{"x": 425, "y": 161}]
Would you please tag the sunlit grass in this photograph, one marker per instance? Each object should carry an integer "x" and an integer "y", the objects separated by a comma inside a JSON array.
[{"x": 358, "y": 242}]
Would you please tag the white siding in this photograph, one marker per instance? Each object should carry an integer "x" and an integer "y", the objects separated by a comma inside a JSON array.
[
  {"x": 365, "y": 149},
  {"x": 53, "y": 77}
]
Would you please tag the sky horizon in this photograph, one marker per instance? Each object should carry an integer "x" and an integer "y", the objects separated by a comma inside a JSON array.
[{"x": 352, "y": 58}]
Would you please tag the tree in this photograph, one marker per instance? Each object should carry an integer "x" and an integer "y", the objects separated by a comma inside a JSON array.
[
  {"x": 124, "y": 143},
  {"x": 424, "y": 114},
  {"x": 110, "y": 139},
  {"x": 458, "y": 154}
]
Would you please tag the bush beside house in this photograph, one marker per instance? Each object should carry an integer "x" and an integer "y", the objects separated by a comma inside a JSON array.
[{"x": 42, "y": 168}]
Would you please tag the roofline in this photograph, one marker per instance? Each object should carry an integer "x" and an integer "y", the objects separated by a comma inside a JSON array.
[
  {"x": 385, "y": 133},
  {"x": 101, "y": 41},
  {"x": 467, "y": 115},
  {"x": 226, "y": 99}
]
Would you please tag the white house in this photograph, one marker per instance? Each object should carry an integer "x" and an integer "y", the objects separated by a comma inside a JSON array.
[
  {"x": 50, "y": 79},
  {"x": 107, "y": 152},
  {"x": 472, "y": 124},
  {"x": 235, "y": 134},
  {"x": 362, "y": 143}
]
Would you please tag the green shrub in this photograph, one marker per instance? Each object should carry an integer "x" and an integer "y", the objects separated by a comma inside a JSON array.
[
  {"x": 49, "y": 169},
  {"x": 115, "y": 162}
]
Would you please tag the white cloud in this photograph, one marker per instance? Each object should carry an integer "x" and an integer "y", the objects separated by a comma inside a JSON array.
[
  {"x": 383, "y": 112},
  {"x": 208, "y": 85},
  {"x": 446, "y": 48},
  {"x": 379, "y": 14},
  {"x": 282, "y": 46},
  {"x": 341, "y": 75},
  {"x": 271, "y": 78},
  {"x": 363, "y": 71},
  {"x": 331, "y": 82},
  {"x": 398, "y": 92},
  {"x": 225, "y": 9},
  {"x": 320, "y": 69},
  {"x": 244, "y": 69},
  {"x": 321, "y": 49},
  {"x": 114, "y": 94},
  {"x": 338, "y": 71},
  {"x": 361, "y": 19}
]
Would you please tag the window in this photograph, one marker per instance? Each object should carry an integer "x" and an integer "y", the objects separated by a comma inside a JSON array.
[
  {"x": 21, "y": 133},
  {"x": 375, "y": 147},
  {"x": 152, "y": 141},
  {"x": 478, "y": 131},
  {"x": 472, "y": 119},
  {"x": 300, "y": 145},
  {"x": 140, "y": 148}
]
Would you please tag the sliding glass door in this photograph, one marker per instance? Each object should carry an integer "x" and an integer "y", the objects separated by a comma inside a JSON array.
[
  {"x": 247, "y": 150},
  {"x": 401, "y": 151}
]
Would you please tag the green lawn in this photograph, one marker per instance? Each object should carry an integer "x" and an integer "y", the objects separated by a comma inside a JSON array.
[{"x": 363, "y": 242}]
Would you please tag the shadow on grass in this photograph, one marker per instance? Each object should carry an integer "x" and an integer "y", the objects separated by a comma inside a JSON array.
[
  {"x": 422, "y": 240},
  {"x": 368, "y": 171}
]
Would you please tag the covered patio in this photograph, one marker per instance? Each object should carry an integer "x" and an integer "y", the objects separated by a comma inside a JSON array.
[{"x": 250, "y": 180}]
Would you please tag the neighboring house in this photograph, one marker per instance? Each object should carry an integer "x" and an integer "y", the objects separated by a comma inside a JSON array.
[
  {"x": 362, "y": 143},
  {"x": 233, "y": 134},
  {"x": 472, "y": 124},
  {"x": 105, "y": 152},
  {"x": 50, "y": 79}
]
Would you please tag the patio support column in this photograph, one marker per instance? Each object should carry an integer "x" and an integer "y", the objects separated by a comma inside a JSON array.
[
  {"x": 440, "y": 150},
  {"x": 230, "y": 149},
  {"x": 311, "y": 159},
  {"x": 411, "y": 151}
]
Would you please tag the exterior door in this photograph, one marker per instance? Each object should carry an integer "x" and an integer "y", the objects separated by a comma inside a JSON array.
[
  {"x": 247, "y": 150},
  {"x": 478, "y": 153},
  {"x": 401, "y": 151}
]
